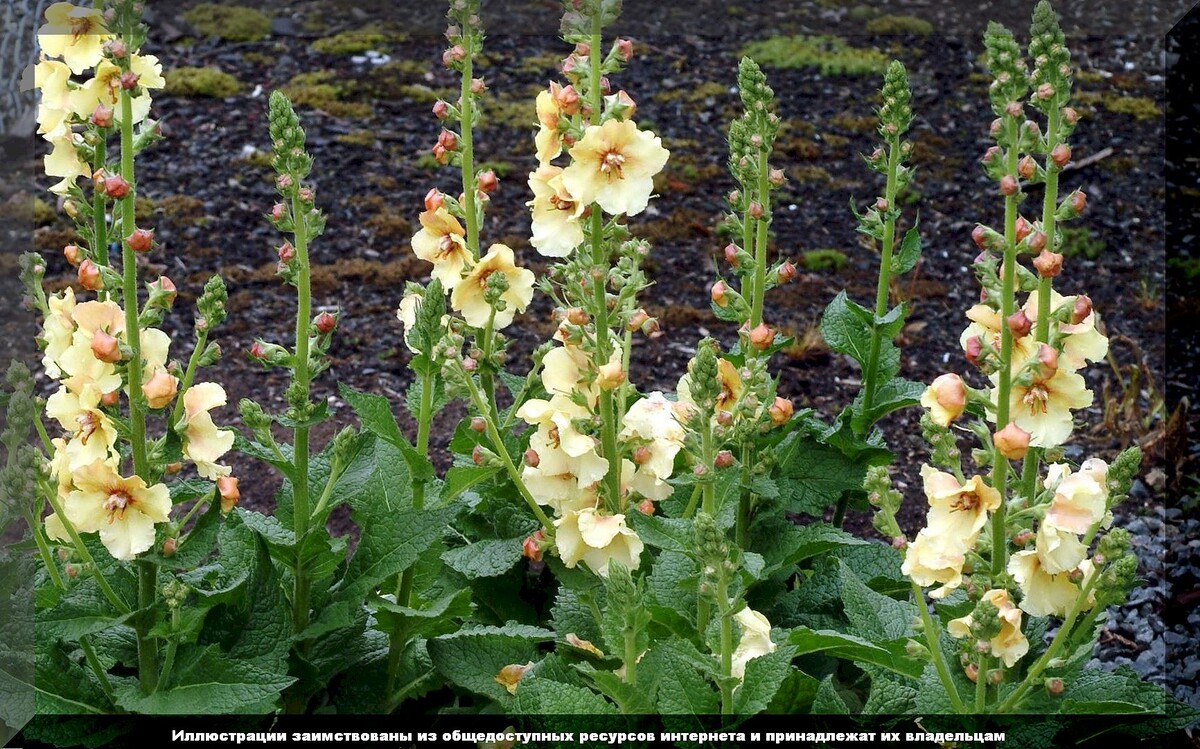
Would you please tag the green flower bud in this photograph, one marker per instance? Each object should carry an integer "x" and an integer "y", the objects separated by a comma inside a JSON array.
[
  {"x": 711, "y": 548},
  {"x": 895, "y": 115},
  {"x": 210, "y": 307},
  {"x": 253, "y": 416},
  {"x": 1009, "y": 79},
  {"x": 985, "y": 621}
]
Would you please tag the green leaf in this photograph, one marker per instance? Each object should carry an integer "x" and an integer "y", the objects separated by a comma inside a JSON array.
[
  {"x": 874, "y": 615},
  {"x": 668, "y": 534},
  {"x": 207, "y": 683},
  {"x": 878, "y": 565},
  {"x": 62, "y": 686},
  {"x": 889, "y": 695},
  {"x": 260, "y": 631},
  {"x": 828, "y": 701},
  {"x": 632, "y": 699},
  {"x": 891, "y": 656},
  {"x": 571, "y": 615},
  {"x": 763, "y": 678},
  {"x": 484, "y": 558},
  {"x": 893, "y": 395},
  {"x": 1112, "y": 692},
  {"x": 82, "y": 610},
  {"x": 460, "y": 479},
  {"x": 795, "y": 694},
  {"x": 813, "y": 476},
  {"x": 910, "y": 250},
  {"x": 472, "y": 658},
  {"x": 375, "y": 413},
  {"x": 672, "y": 588},
  {"x": 846, "y": 327},
  {"x": 261, "y": 452},
  {"x": 320, "y": 413},
  {"x": 536, "y": 696},
  {"x": 784, "y": 544},
  {"x": 437, "y": 618},
  {"x": 197, "y": 545},
  {"x": 682, "y": 689}
]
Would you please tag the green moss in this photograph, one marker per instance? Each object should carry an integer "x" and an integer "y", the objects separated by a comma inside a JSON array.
[
  {"x": 423, "y": 94},
  {"x": 693, "y": 95},
  {"x": 543, "y": 64},
  {"x": 809, "y": 173},
  {"x": 427, "y": 162},
  {"x": 183, "y": 210},
  {"x": 829, "y": 54},
  {"x": 43, "y": 213},
  {"x": 354, "y": 42},
  {"x": 513, "y": 113},
  {"x": 314, "y": 90},
  {"x": 235, "y": 23},
  {"x": 259, "y": 58},
  {"x": 835, "y": 141},
  {"x": 864, "y": 124},
  {"x": 825, "y": 259},
  {"x": 201, "y": 82},
  {"x": 361, "y": 138},
  {"x": 1189, "y": 267},
  {"x": 144, "y": 208},
  {"x": 258, "y": 160},
  {"x": 892, "y": 25},
  {"x": 1079, "y": 242},
  {"x": 1088, "y": 76},
  {"x": 1139, "y": 107}
]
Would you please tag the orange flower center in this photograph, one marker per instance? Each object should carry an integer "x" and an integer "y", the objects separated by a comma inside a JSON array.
[
  {"x": 1036, "y": 398},
  {"x": 116, "y": 504},
  {"x": 965, "y": 502},
  {"x": 611, "y": 164},
  {"x": 88, "y": 424}
]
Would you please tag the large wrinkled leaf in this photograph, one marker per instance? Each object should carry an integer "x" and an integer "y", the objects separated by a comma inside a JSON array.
[
  {"x": 208, "y": 683},
  {"x": 472, "y": 658}
]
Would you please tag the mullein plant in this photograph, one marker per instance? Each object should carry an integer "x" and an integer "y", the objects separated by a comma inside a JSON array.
[
  {"x": 118, "y": 534},
  {"x": 1007, "y": 552}
]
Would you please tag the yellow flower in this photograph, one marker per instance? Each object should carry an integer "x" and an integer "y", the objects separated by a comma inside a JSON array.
[
  {"x": 755, "y": 640},
  {"x": 585, "y": 535},
  {"x": 57, "y": 330},
  {"x": 79, "y": 361},
  {"x": 63, "y": 161},
  {"x": 123, "y": 510},
  {"x": 1082, "y": 342},
  {"x": 1080, "y": 499},
  {"x": 467, "y": 296},
  {"x": 931, "y": 560},
  {"x": 730, "y": 381},
  {"x": 547, "y": 140},
  {"x": 1043, "y": 407},
  {"x": 75, "y": 34},
  {"x": 55, "y": 530},
  {"x": 92, "y": 432},
  {"x": 957, "y": 511},
  {"x": 53, "y": 78},
  {"x": 946, "y": 398},
  {"x": 557, "y": 230},
  {"x": 510, "y": 676},
  {"x": 1042, "y": 593},
  {"x": 651, "y": 428},
  {"x": 59, "y": 466},
  {"x": 105, "y": 88},
  {"x": 1058, "y": 551},
  {"x": 986, "y": 323},
  {"x": 562, "y": 492},
  {"x": 614, "y": 165},
  {"x": 203, "y": 443},
  {"x": 1010, "y": 644},
  {"x": 440, "y": 241},
  {"x": 564, "y": 453}
]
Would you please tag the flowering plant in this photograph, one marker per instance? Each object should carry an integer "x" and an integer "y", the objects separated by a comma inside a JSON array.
[{"x": 592, "y": 548}]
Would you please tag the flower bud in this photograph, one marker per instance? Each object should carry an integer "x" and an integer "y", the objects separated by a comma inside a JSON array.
[
  {"x": 141, "y": 240},
  {"x": 284, "y": 181},
  {"x": 636, "y": 320},
  {"x": 1061, "y": 154},
  {"x": 477, "y": 456},
  {"x": 434, "y": 199},
  {"x": 946, "y": 398},
  {"x": 605, "y": 85},
  {"x": 731, "y": 254},
  {"x": 1023, "y": 228},
  {"x": 108, "y": 400},
  {"x": 583, "y": 49},
  {"x": 129, "y": 80},
  {"x": 168, "y": 547},
  {"x": 227, "y": 487},
  {"x": 1019, "y": 324},
  {"x": 1044, "y": 91},
  {"x": 160, "y": 389},
  {"x": 611, "y": 376},
  {"x": 532, "y": 459},
  {"x": 762, "y": 337},
  {"x": 1047, "y": 360},
  {"x": 1048, "y": 264},
  {"x": 1024, "y": 538},
  {"x": 1081, "y": 310},
  {"x": 972, "y": 672},
  {"x": 73, "y": 254},
  {"x": 174, "y": 468},
  {"x": 625, "y": 49},
  {"x": 1054, "y": 686},
  {"x": 734, "y": 196},
  {"x": 724, "y": 459},
  {"x": 115, "y": 186},
  {"x": 577, "y": 316},
  {"x": 441, "y": 109},
  {"x": 530, "y": 548},
  {"x": 718, "y": 294},
  {"x": 487, "y": 182},
  {"x": 469, "y": 364},
  {"x": 699, "y": 470},
  {"x": 478, "y": 86},
  {"x": 646, "y": 507},
  {"x": 780, "y": 411},
  {"x": 567, "y": 99},
  {"x": 72, "y": 570},
  {"x": 305, "y": 194},
  {"x": 979, "y": 236},
  {"x": 786, "y": 272},
  {"x": 1069, "y": 115},
  {"x": 776, "y": 177},
  {"x": 1037, "y": 241},
  {"x": 1014, "y": 109},
  {"x": 447, "y": 140},
  {"x": 453, "y": 55},
  {"x": 899, "y": 542},
  {"x": 167, "y": 287},
  {"x": 286, "y": 252},
  {"x": 278, "y": 211},
  {"x": 1078, "y": 201},
  {"x": 89, "y": 276},
  {"x": 881, "y": 205},
  {"x": 974, "y": 349},
  {"x": 257, "y": 350},
  {"x": 478, "y": 424},
  {"x": 116, "y": 48},
  {"x": 642, "y": 455},
  {"x": 1009, "y": 186},
  {"x": 724, "y": 418},
  {"x": 325, "y": 323},
  {"x": 102, "y": 116},
  {"x": 755, "y": 211},
  {"x": 1027, "y": 168}
]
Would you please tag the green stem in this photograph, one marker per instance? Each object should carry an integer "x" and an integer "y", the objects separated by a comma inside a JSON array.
[
  {"x": 746, "y": 501},
  {"x": 981, "y": 685},
  {"x": 708, "y": 503},
  {"x": 99, "y": 219},
  {"x": 1062, "y": 636},
  {"x": 189, "y": 375},
  {"x": 726, "y": 648},
  {"x": 300, "y": 493},
  {"x": 693, "y": 501},
  {"x": 89, "y": 654},
  {"x": 169, "y": 661},
  {"x": 884, "y": 284},
  {"x": 195, "y": 508},
  {"x": 467, "y": 152},
  {"x": 147, "y": 571},
  {"x": 760, "y": 243},
  {"x": 631, "y": 656},
  {"x": 1004, "y": 389},
  {"x": 935, "y": 650},
  {"x": 43, "y": 546}
]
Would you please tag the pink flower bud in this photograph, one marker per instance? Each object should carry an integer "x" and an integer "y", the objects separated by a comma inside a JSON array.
[
  {"x": 762, "y": 337},
  {"x": 786, "y": 272},
  {"x": 1027, "y": 168},
  {"x": 699, "y": 470},
  {"x": 530, "y": 548},
  {"x": 325, "y": 323},
  {"x": 72, "y": 570},
  {"x": 108, "y": 400},
  {"x": 578, "y": 316},
  {"x": 1048, "y": 264},
  {"x": 168, "y": 547},
  {"x": 979, "y": 235},
  {"x": 1009, "y": 186},
  {"x": 73, "y": 254},
  {"x": 1019, "y": 324},
  {"x": 283, "y": 181},
  {"x": 724, "y": 418},
  {"x": 305, "y": 194},
  {"x": 532, "y": 459},
  {"x": 625, "y": 49},
  {"x": 448, "y": 140},
  {"x": 129, "y": 80},
  {"x": 881, "y": 205},
  {"x": 1061, "y": 154},
  {"x": 992, "y": 154},
  {"x": 278, "y": 211},
  {"x": 441, "y": 109},
  {"x": 1055, "y": 686},
  {"x": 1047, "y": 361},
  {"x": 478, "y": 86},
  {"x": 731, "y": 254},
  {"x": 469, "y": 364},
  {"x": 724, "y": 459},
  {"x": 286, "y": 252},
  {"x": 756, "y": 140},
  {"x": 1014, "y": 109},
  {"x": 899, "y": 542},
  {"x": 974, "y": 349},
  {"x": 1023, "y": 538},
  {"x": 116, "y": 48},
  {"x": 89, "y": 276},
  {"x": 1045, "y": 91},
  {"x": 168, "y": 288},
  {"x": 567, "y": 99},
  {"x": 1078, "y": 201},
  {"x": 1082, "y": 309},
  {"x": 227, "y": 487},
  {"x": 1069, "y": 115},
  {"x": 583, "y": 49},
  {"x": 568, "y": 65},
  {"x": 116, "y": 187},
  {"x": 477, "y": 456},
  {"x": 605, "y": 86},
  {"x": 102, "y": 116},
  {"x": 734, "y": 196},
  {"x": 637, "y": 320},
  {"x": 1037, "y": 242},
  {"x": 434, "y": 199},
  {"x": 141, "y": 240},
  {"x": 1023, "y": 228},
  {"x": 257, "y": 350},
  {"x": 487, "y": 182},
  {"x": 642, "y": 455},
  {"x": 453, "y": 55},
  {"x": 780, "y": 411},
  {"x": 478, "y": 424},
  {"x": 611, "y": 376},
  {"x": 950, "y": 394},
  {"x": 718, "y": 294},
  {"x": 105, "y": 347},
  {"x": 755, "y": 211},
  {"x": 160, "y": 389}
]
